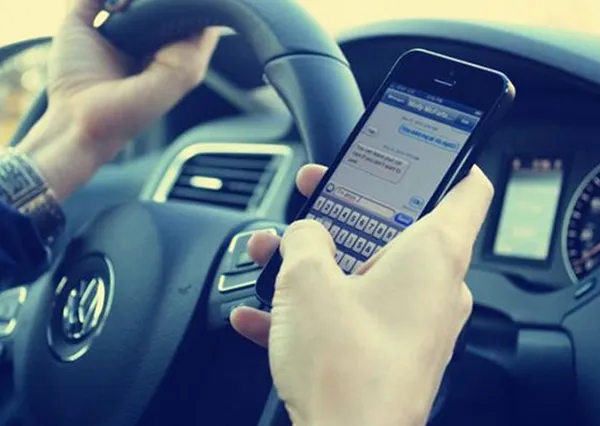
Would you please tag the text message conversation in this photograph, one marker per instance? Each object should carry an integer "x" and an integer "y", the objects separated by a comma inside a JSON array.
[{"x": 391, "y": 171}]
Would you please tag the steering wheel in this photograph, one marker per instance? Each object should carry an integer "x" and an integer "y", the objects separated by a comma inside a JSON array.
[{"x": 99, "y": 337}]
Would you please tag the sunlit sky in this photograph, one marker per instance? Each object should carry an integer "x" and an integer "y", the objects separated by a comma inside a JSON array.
[{"x": 22, "y": 19}]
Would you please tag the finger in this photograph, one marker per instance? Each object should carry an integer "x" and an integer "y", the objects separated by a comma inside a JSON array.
[
  {"x": 309, "y": 177},
  {"x": 306, "y": 238},
  {"x": 365, "y": 267},
  {"x": 262, "y": 245},
  {"x": 187, "y": 60},
  {"x": 307, "y": 248},
  {"x": 465, "y": 207},
  {"x": 454, "y": 225},
  {"x": 176, "y": 69},
  {"x": 85, "y": 11},
  {"x": 253, "y": 324}
]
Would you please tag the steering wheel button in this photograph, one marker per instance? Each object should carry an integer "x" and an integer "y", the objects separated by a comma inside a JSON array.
[
  {"x": 7, "y": 328},
  {"x": 244, "y": 260},
  {"x": 585, "y": 287},
  {"x": 238, "y": 281},
  {"x": 10, "y": 303}
]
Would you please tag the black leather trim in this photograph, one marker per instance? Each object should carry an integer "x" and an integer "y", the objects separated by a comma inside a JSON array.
[{"x": 274, "y": 28}]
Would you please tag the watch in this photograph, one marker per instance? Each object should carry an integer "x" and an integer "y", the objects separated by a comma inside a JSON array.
[{"x": 23, "y": 188}]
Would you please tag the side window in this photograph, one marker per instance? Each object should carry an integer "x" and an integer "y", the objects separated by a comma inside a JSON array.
[{"x": 22, "y": 77}]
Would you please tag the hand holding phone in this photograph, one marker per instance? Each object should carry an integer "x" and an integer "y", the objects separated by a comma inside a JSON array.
[
  {"x": 389, "y": 331},
  {"x": 420, "y": 136}
]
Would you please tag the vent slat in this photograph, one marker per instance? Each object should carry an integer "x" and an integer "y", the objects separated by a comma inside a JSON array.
[
  {"x": 244, "y": 175},
  {"x": 214, "y": 197},
  {"x": 228, "y": 185},
  {"x": 229, "y": 180},
  {"x": 231, "y": 163}
]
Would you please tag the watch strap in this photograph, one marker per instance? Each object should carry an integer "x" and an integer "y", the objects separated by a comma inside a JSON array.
[{"x": 23, "y": 188}]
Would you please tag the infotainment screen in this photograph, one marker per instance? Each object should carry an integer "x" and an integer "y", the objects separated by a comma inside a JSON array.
[{"x": 528, "y": 215}]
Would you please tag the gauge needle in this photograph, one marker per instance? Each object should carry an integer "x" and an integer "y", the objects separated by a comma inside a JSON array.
[{"x": 591, "y": 252}]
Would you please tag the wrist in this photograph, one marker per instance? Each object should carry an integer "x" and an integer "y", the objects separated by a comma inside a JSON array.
[
  {"x": 395, "y": 400},
  {"x": 392, "y": 417},
  {"x": 58, "y": 146},
  {"x": 392, "y": 412}
]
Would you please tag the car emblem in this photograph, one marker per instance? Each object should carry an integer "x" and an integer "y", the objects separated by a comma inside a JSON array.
[
  {"x": 82, "y": 300},
  {"x": 83, "y": 308}
]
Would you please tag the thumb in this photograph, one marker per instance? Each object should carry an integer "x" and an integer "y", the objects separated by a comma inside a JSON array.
[{"x": 308, "y": 256}]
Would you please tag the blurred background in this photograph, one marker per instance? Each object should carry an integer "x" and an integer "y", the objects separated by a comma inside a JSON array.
[{"x": 22, "y": 77}]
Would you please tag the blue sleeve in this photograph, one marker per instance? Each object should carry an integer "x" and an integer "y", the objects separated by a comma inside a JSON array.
[{"x": 23, "y": 257}]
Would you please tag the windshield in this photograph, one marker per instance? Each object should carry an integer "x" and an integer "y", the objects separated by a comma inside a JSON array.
[
  {"x": 576, "y": 15},
  {"x": 33, "y": 18}
]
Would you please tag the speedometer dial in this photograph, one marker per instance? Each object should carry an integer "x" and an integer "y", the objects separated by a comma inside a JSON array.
[{"x": 581, "y": 236}]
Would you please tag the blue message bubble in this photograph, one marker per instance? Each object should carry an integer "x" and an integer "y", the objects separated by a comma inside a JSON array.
[{"x": 430, "y": 139}]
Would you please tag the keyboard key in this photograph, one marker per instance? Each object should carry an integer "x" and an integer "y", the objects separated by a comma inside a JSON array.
[
  {"x": 327, "y": 207},
  {"x": 347, "y": 262},
  {"x": 327, "y": 223},
  {"x": 310, "y": 216},
  {"x": 359, "y": 245},
  {"x": 334, "y": 230},
  {"x": 362, "y": 222},
  {"x": 345, "y": 214},
  {"x": 404, "y": 220},
  {"x": 319, "y": 203},
  {"x": 380, "y": 230},
  {"x": 335, "y": 211},
  {"x": 377, "y": 249},
  {"x": 369, "y": 249},
  {"x": 357, "y": 265},
  {"x": 353, "y": 218},
  {"x": 342, "y": 236},
  {"x": 351, "y": 240},
  {"x": 371, "y": 226},
  {"x": 319, "y": 219},
  {"x": 389, "y": 234},
  {"x": 338, "y": 256}
]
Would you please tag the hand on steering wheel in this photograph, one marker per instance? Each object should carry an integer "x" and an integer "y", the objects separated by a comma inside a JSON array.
[
  {"x": 94, "y": 92},
  {"x": 347, "y": 350}
]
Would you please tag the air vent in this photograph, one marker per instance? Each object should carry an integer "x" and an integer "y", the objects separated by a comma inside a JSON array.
[{"x": 226, "y": 175}]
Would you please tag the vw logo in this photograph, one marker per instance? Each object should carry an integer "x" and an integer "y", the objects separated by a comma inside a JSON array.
[
  {"x": 82, "y": 299},
  {"x": 83, "y": 308}
]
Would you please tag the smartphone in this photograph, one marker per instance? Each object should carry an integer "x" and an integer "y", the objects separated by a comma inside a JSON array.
[{"x": 419, "y": 136}]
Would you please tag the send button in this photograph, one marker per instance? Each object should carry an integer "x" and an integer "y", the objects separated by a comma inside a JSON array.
[{"x": 403, "y": 219}]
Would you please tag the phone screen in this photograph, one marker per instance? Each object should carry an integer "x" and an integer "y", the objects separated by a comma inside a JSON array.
[{"x": 391, "y": 170}]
